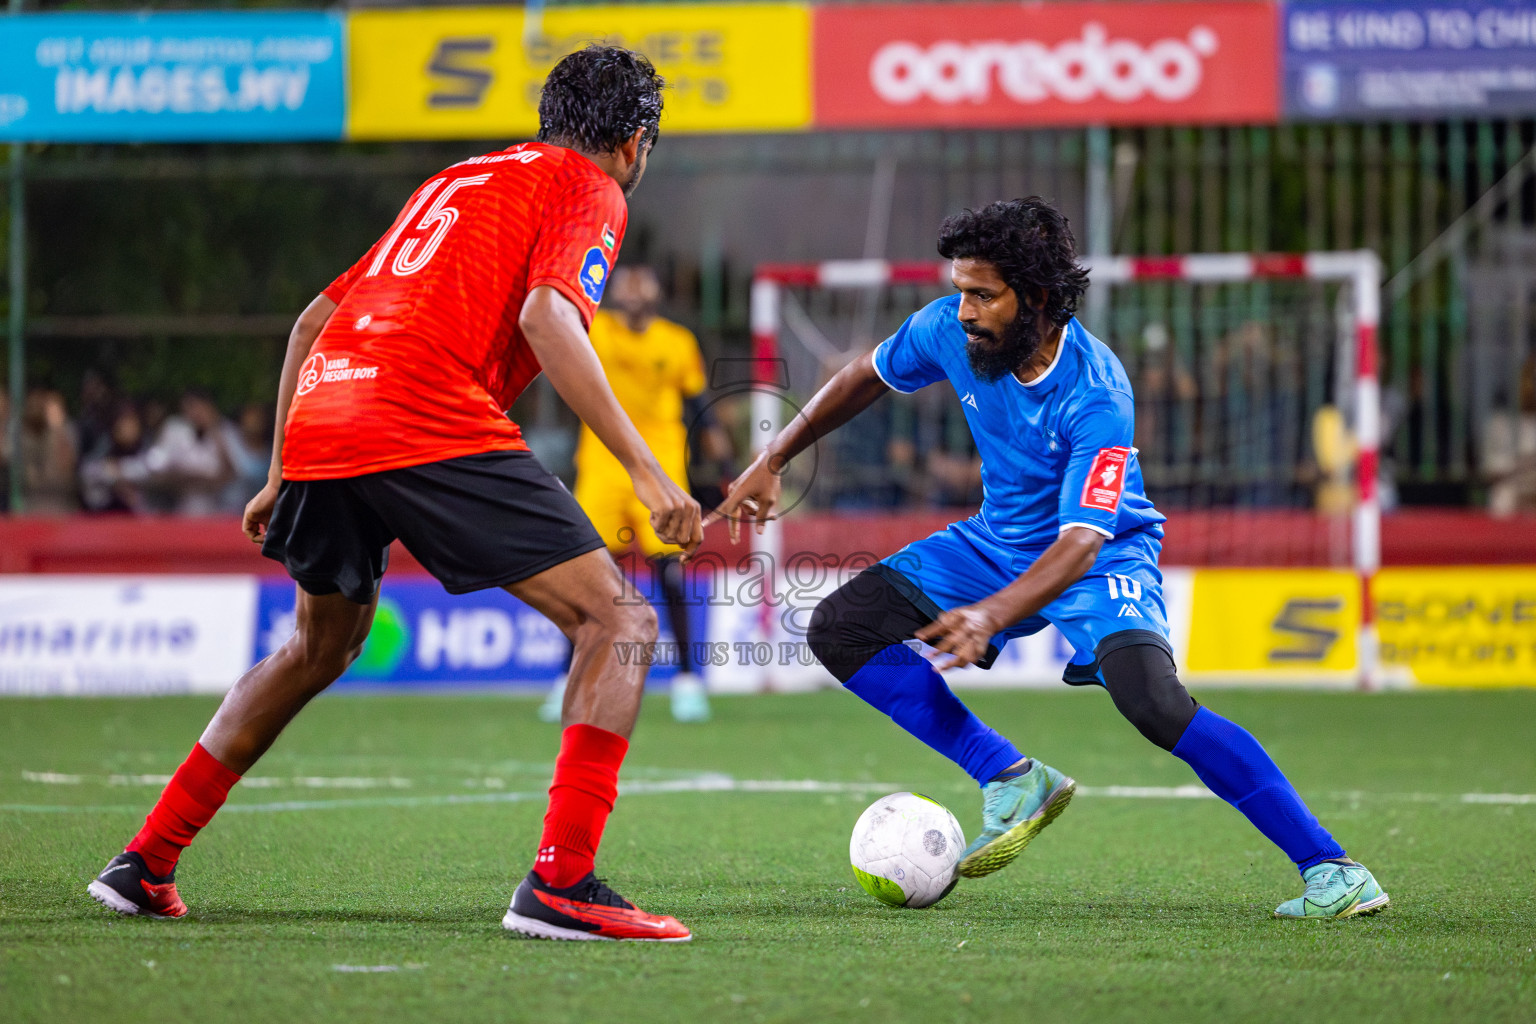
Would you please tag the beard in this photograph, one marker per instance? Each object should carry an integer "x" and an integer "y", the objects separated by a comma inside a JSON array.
[
  {"x": 628, "y": 185},
  {"x": 993, "y": 356}
]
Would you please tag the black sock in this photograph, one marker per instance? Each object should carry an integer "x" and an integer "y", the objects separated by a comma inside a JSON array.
[
  {"x": 1016, "y": 772},
  {"x": 674, "y": 588}
]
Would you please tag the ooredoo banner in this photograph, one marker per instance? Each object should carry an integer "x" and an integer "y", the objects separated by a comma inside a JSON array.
[{"x": 998, "y": 65}]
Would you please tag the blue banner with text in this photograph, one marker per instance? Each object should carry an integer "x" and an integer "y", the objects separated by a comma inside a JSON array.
[
  {"x": 424, "y": 636},
  {"x": 171, "y": 77},
  {"x": 1388, "y": 60}
]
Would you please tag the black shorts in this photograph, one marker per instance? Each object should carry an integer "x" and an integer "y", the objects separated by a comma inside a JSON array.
[{"x": 474, "y": 522}]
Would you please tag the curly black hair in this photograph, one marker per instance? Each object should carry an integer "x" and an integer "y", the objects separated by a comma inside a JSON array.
[
  {"x": 595, "y": 98},
  {"x": 1031, "y": 245}
]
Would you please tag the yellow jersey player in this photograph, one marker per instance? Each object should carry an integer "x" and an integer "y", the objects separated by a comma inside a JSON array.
[{"x": 653, "y": 366}]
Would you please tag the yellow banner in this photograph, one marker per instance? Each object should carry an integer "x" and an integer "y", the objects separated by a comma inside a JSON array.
[
  {"x": 1276, "y": 622},
  {"x": 475, "y": 72},
  {"x": 1459, "y": 626}
]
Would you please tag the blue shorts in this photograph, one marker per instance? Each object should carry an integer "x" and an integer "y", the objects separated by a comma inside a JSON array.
[{"x": 1117, "y": 603}]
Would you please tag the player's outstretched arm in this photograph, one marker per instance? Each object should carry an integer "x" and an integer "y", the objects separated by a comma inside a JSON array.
[
  {"x": 555, "y": 332},
  {"x": 963, "y": 633},
  {"x": 755, "y": 493},
  {"x": 258, "y": 512}
]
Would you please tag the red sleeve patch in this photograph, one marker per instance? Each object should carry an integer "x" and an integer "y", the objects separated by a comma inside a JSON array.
[{"x": 1106, "y": 479}]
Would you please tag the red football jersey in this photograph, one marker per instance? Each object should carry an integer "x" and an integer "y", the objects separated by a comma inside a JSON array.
[{"x": 423, "y": 353}]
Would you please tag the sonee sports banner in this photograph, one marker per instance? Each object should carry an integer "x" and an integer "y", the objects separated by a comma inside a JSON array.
[{"x": 476, "y": 72}]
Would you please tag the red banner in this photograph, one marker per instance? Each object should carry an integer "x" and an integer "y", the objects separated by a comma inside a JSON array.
[{"x": 999, "y": 65}]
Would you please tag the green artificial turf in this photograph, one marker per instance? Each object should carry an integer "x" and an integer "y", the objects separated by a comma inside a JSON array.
[{"x": 1125, "y": 910}]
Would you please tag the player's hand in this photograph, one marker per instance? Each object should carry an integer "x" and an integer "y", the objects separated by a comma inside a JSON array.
[
  {"x": 258, "y": 513},
  {"x": 675, "y": 516},
  {"x": 960, "y": 636},
  {"x": 752, "y": 495}
]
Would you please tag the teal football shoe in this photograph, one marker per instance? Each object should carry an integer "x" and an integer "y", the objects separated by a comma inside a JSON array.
[
  {"x": 1012, "y": 813},
  {"x": 690, "y": 699},
  {"x": 553, "y": 708},
  {"x": 1335, "y": 891}
]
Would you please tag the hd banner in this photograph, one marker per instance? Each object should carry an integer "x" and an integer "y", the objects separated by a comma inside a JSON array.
[
  {"x": 171, "y": 77},
  {"x": 1007, "y": 65},
  {"x": 424, "y": 637},
  {"x": 476, "y": 72},
  {"x": 1387, "y": 60}
]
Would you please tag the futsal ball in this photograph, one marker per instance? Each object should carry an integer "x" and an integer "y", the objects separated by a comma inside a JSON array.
[{"x": 904, "y": 850}]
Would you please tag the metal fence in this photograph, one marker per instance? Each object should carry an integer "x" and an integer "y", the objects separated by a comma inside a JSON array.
[{"x": 1450, "y": 208}]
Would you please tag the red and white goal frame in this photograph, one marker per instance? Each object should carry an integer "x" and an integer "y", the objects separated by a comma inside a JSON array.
[{"x": 1360, "y": 270}]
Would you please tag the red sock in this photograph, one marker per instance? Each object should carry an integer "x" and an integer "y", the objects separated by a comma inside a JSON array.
[
  {"x": 190, "y": 800},
  {"x": 580, "y": 799}
]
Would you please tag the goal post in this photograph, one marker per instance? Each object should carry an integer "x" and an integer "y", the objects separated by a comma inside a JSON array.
[{"x": 1357, "y": 273}]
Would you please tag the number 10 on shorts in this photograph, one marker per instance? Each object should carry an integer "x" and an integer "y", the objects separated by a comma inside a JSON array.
[{"x": 1123, "y": 587}]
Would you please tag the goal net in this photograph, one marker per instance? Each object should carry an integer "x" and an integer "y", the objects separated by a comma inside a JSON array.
[{"x": 1258, "y": 418}]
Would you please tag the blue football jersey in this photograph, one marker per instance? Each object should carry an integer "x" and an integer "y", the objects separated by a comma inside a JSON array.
[{"x": 1056, "y": 452}]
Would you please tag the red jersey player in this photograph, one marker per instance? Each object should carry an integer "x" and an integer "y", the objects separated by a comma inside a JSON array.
[{"x": 390, "y": 425}]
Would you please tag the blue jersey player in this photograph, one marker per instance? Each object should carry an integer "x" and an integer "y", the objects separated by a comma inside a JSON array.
[{"x": 1066, "y": 536}]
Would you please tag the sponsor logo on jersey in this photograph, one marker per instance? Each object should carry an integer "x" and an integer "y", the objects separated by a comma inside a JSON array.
[
  {"x": 317, "y": 370},
  {"x": 609, "y": 238},
  {"x": 594, "y": 274},
  {"x": 1106, "y": 479},
  {"x": 970, "y": 400}
]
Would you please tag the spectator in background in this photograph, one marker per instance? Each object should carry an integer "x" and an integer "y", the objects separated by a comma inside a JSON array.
[
  {"x": 951, "y": 466},
  {"x": 1509, "y": 449},
  {"x": 153, "y": 414},
  {"x": 99, "y": 407},
  {"x": 49, "y": 451},
  {"x": 711, "y": 456},
  {"x": 248, "y": 444},
  {"x": 113, "y": 474},
  {"x": 190, "y": 459},
  {"x": 5, "y": 451},
  {"x": 1167, "y": 416}
]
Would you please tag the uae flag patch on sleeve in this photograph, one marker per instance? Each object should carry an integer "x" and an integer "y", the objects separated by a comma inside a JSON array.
[{"x": 1106, "y": 479}]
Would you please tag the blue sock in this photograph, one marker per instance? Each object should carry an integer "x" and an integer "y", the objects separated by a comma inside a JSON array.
[
  {"x": 899, "y": 682},
  {"x": 1236, "y": 768}
]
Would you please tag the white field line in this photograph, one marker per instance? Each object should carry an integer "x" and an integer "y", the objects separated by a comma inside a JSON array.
[
  {"x": 372, "y": 969},
  {"x": 716, "y": 783},
  {"x": 249, "y": 782},
  {"x": 1149, "y": 792}
]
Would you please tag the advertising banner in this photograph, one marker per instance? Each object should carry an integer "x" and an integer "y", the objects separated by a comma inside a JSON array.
[
  {"x": 1274, "y": 624},
  {"x": 1459, "y": 626},
  {"x": 1002, "y": 65},
  {"x": 120, "y": 635},
  {"x": 754, "y": 651},
  {"x": 171, "y": 77},
  {"x": 475, "y": 72},
  {"x": 424, "y": 636},
  {"x": 67, "y": 635},
  {"x": 1433, "y": 59}
]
